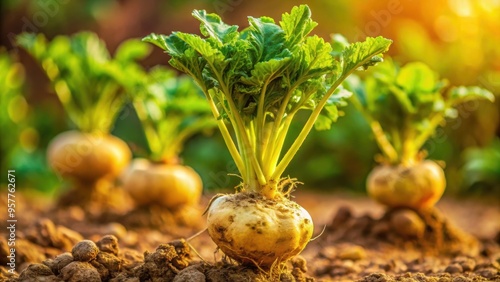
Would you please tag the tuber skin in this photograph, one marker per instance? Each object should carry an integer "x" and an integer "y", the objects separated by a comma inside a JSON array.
[
  {"x": 93, "y": 162},
  {"x": 256, "y": 231},
  {"x": 171, "y": 185},
  {"x": 417, "y": 186},
  {"x": 87, "y": 157}
]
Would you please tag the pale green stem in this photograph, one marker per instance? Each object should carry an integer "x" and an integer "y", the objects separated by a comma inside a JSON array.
[
  {"x": 287, "y": 158},
  {"x": 277, "y": 146},
  {"x": 380, "y": 137},
  {"x": 382, "y": 141},
  {"x": 173, "y": 148},
  {"x": 408, "y": 154},
  {"x": 226, "y": 136},
  {"x": 240, "y": 127},
  {"x": 429, "y": 131}
]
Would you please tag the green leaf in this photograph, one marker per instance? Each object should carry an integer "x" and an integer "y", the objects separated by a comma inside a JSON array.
[
  {"x": 90, "y": 84},
  {"x": 160, "y": 40},
  {"x": 265, "y": 71},
  {"x": 364, "y": 54},
  {"x": 297, "y": 24},
  {"x": 132, "y": 49},
  {"x": 416, "y": 77},
  {"x": 212, "y": 26},
  {"x": 339, "y": 43},
  {"x": 267, "y": 40},
  {"x": 330, "y": 112},
  {"x": 317, "y": 56}
]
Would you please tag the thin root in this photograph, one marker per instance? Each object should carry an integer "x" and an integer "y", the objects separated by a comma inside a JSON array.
[
  {"x": 319, "y": 235},
  {"x": 211, "y": 201},
  {"x": 197, "y": 234}
]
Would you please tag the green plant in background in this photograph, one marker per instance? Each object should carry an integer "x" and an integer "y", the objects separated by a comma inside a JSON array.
[
  {"x": 171, "y": 109},
  {"x": 91, "y": 86},
  {"x": 258, "y": 79},
  {"x": 13, "y": 105},
  {"x": 482, "y": 168},
  {"x": 404, "y": 106}
]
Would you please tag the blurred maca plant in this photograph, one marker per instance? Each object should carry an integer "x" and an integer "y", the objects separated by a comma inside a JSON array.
[
  {"x": 171, "y": 109},
  {"x": 404, "y": 106},
  {"x": 91, "y": 86}
]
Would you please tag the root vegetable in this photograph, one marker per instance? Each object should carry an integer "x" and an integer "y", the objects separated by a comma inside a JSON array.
[
  {"x": 88, "y": 157},
  {"x": 169, "y": 185},
  {"x": 404, "y": 106},
  {"x": 254, "y": 230},
  {"x": 418, "y": 186},
  {"x": 171, "y": 109},
  {"x": 257, "y": 79},
  {"x": 91, "y": 86}
]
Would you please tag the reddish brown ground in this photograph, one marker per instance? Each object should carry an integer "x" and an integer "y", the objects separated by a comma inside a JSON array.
[{"x": 359, "y": 243}]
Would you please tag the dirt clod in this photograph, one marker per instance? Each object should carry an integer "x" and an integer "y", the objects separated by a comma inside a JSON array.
[
  {"x": 108, "y": 244},
  {"x": 79, "y": 271},
  {"x": 454, "y": 268},
  {"x": 85, "y": 251},
  {"x": 467, "y": 264},
  {"x": 190, "y": 274},
  {"x": 59, "y": 262},
  {"x": 37, "y": 272},
  {"x": 407, "y": 224},
  {"x": 489, "y": 273},
  {"x": 45, "y": 233}
]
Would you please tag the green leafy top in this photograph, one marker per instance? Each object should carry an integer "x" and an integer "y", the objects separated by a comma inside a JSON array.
[
  {"x": 260, "y": 77},
  {"x": 405, "y": 105},
  {"x": 88, "y": 81},
  {"x": 171, "y": 110}
]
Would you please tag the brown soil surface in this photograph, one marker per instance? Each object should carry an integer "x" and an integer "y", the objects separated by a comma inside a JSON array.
[{"x": 356, "y": 240}]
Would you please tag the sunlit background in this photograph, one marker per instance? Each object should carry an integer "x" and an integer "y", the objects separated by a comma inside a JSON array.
[{"x": 460, "y": 39}]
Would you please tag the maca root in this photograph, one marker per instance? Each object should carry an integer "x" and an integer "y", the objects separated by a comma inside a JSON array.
[
  {"x": 426, "y": 230},
  {"x": 257, "y": 231}
]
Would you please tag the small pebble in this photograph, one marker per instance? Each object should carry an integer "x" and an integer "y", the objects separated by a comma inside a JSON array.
[
  {"x": 59, "y": 262},
  {"x": 328, "y": 252},
  {"x": 85, "y": 251},
  {"x": 78, "y": 271},
  {"x": 352, "y": 253},
  {"x": 488, "y": 272},
  {"x": 454, "y": 268},
  {"x": 408, "y": 224},
  {"x": 108, "y": 244},
  {"x": 468, "y": 264}
]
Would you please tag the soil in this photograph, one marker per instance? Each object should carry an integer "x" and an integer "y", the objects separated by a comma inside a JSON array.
[{"x": 355, "y": 240}]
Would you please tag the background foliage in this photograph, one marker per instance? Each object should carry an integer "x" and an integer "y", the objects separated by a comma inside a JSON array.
[{"x": 457, "y": 38}]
